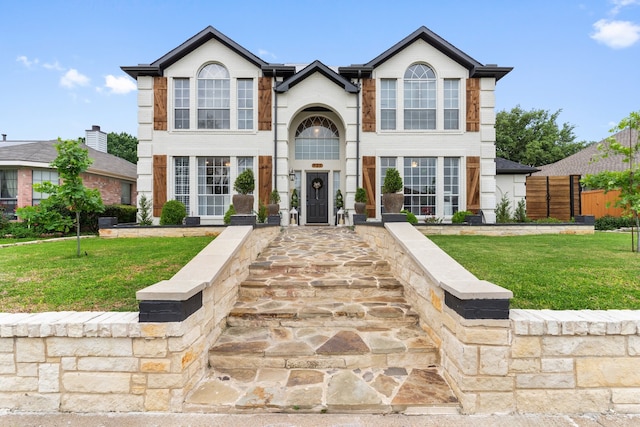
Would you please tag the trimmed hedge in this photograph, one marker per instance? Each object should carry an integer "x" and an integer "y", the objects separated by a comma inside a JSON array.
[{"x": 609, "y": 222}]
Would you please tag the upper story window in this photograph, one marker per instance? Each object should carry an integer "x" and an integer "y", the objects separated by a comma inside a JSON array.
[
  {"x": 214, "y": 97},
  {"x": 181, "y": 103},
  {"x": 245, "y": 103},
  {"x": 452, "y": 103},
  {"x": 419, "y": 97},
  {"x": 388, "y": 104},
  {"x": 317, "y": 138}
]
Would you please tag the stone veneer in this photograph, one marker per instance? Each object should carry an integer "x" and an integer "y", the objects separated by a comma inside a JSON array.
[
  {"x": 537, "y": 361},
  {"x": 96, "y": 361},
  {"x": 505, "y": 229}
]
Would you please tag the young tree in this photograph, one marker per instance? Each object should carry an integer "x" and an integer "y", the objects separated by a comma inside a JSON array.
[
  {"x": 533, "y": 137},
  {"x": 72, "y": 160},
  {"x": 628, "y": 180},
  {"x": 123, "y": 145}
]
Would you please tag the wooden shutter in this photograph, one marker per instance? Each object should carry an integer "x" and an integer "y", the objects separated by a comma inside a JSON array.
[
  {"x": 264, "y": 178},
  {"x": 264, "y": 103},
  {"x": 369, "y": 105},
  {"x": 473, "y": 105},
  {"x": 473, "y": 184},
  {"x": 159, "y": 183},
  {"x": 369, "y": 183},
  {"x": 159, "y": 103}
]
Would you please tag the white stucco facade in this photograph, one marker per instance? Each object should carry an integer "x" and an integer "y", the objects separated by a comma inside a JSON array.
[{"x": 434, "y": 160}]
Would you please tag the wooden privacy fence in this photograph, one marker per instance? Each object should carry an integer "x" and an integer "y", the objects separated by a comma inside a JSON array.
[
  {"x": 553, "y": 196},
  {"x": 594, "y": 202}
]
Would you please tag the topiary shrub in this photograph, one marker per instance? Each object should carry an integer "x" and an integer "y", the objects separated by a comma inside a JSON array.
[
  {"x": 361, "y": 195},
  {"x": 392, "y": 181},
  {"x": 460, "y": 216},
  {"x": 173, "y": 213},
  {"x": 245, "y": 182}
]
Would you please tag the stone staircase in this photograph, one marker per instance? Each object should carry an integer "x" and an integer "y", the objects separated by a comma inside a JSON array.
[{"x": 321, "y": 325}]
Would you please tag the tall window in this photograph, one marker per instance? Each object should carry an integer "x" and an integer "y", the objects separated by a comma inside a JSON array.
[
  {"x": 213, "y": 185},
  {"x": 419, "y": 97},
  {"x": 451, "y": 103},
  {"x": 181, "y": 103},
  {"x": 385, "y": 163},
  {"x": 213, "y": 97},
  {"x": 388, "y": 104},
  {"x": 317, "y": 139},
  {"x": 245, "y": 104},
  {"x": 181, "y": 171},
  {"x": 420, "y": 185},
  {"x": 8, "y": 189},
  {"x": 125, "y": 193},
  {"x": 40, "y": 176},
  {"x": 451, "y": 185}
]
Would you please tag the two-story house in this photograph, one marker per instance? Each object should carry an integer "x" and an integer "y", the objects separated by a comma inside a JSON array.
[{"x": 209, "y": 109}]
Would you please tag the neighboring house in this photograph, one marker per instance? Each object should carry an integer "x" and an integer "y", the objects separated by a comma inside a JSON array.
[
  {"x": 209, "y": 109},
  {"x": 24, "y": 163},
  {"x": 511, "y": 180}
]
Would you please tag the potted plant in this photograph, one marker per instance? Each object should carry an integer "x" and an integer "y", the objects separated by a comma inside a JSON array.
[
  {"x": 273, "y": 208},
  {"x": 244, "y": 185},
  {"x": 360, "y": 205},
  {"x": 392, "y": 199}
]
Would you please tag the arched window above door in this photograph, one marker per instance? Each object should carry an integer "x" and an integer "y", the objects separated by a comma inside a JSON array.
[{"x": 317, "y": 138}]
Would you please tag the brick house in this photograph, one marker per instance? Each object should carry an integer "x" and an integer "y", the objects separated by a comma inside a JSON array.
[{"x": 209, "y": 109}]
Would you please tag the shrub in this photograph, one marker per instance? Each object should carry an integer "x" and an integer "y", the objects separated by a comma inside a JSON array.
[
  {"x": 124, "y": 213},
  {"x": 274, "y": 197},
  {"x": 361, "y": 195},
  {"x": 294, "y": 199},
  {"x": 503, "y": 210},
  {"x": 262, "y": 212},
  {"x": 432, "y": 220},
  {"x": 392, "y": 181},
  {"x": 228, "y": 213},
  {"x": 520, "y": 214},
  {"x": 173, "y": 213},
  {"x": 144, "y": 218},
  {"x": 460, "y": 216},
  {"x": 549, "y": 220},
  {"x": 245, "y": 182},
  {"x": 609, "y": 222},
  {"x": 411, "y": 218},
  {"x": 339, "y": 200},
  {"x": 4, "y": 220},
  {"x": 19, "y": 230}
]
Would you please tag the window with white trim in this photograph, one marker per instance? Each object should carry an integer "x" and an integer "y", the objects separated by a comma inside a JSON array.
[
  {"x": 213, "y": 185},
  {"x": 181, "y": 103},
  {"x": 420, "y": 185},
  {"x": 245, "y": 103},
  {"x": 181, "y": 189},
  {"x": 387, "y": 104},
  {"x": 451, "y": 185},
  {"x": 214, "y": 97},
  {"x": 385, "y": 163},
  {"x": 317, "y": 138},
  {"x": 419, "y": 97},
  {"x": 451, "y": 103},
  {"x": 38, "y": 177}
]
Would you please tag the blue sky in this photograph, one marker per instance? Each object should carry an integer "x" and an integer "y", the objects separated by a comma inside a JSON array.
[{"x": 60, "y": 60}]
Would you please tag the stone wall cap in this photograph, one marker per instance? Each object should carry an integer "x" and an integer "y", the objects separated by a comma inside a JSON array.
[
  {"x": 171, "y": 290},
  {"x": 475, "y": 289}
]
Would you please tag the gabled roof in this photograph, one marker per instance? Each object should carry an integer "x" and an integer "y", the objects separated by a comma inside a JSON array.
[
  {"x": 316, "y": 67},
  {"x": 42, "y": 153},
  {"x": 508, "y": 167},
  {"x": 584, "y": 161},
  {"x": 209, "y": 33},
  {"x": 476, "y": 69}
]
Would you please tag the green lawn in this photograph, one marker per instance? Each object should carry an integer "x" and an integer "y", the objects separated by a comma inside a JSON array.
[
  {"x": 559, "y": 272},
  {"x": 49, "y": 276}
]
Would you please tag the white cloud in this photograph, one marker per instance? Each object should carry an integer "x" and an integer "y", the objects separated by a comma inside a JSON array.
[
  {"x": 265, "y": 53},
  {"x": 616, "y": 34},
  {"x": 26, "y": 62},
  {"x": 619, "y": 4},
  {"x": 119, "y": 85},
  {"x": 73, "y": 78},
  {"x": 53, "y": 66}
]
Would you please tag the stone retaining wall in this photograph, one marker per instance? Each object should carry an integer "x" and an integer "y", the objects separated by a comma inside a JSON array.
[
  {"x": 93, "y": 362},
  {"x": 164, "y": 231},
  {"x": 539, "y": 361},
  {"x": 505, "y": 229}
]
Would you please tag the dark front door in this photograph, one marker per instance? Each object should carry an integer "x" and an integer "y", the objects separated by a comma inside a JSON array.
[{"x": 317, "y": 198}]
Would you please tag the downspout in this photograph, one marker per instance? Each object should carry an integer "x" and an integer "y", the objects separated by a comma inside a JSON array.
[
  {"x": 358, "y": 131},
  {"x": 275, "y": 133}
]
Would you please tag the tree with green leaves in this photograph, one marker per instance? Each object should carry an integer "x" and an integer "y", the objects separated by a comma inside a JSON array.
[
  {"x": 534, "y": 137},
  {"x": 123, "y": 145},
  {"x": 627, "y": 180},
  {"x": 72, "y": 161}
]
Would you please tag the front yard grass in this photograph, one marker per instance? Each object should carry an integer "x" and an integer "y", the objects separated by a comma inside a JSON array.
[
  {"x": 50, "y": 277},
  {"x": 558, "y": 272}
]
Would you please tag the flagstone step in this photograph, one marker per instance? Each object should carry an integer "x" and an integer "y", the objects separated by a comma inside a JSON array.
[
  {"x": 318, "y": 390},
  {"x": 288, "y": 266}
]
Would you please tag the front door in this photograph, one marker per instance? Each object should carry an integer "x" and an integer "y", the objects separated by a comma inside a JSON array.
[{"x": 317, "y": 198}]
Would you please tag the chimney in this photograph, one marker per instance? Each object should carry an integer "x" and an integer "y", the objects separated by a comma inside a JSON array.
[
  {"x": 96, "y": 139},
  {"x": 4, "y": 136}
]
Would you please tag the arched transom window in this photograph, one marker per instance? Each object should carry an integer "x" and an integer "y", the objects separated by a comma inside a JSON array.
[
  {"x": 213, "y": 97},
  {"x": 419, "y": 97},
  {"x": 317, "y": 138}
]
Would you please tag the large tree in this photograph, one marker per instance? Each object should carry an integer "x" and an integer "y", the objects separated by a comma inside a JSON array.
[
  {"x": 627, "y": 180},
  {"x": 123, "y": 145},
  {"x": 534, "y": 137}
]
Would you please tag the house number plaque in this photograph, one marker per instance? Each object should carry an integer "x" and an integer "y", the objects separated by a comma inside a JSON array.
[{"x": 317, "y": 165}]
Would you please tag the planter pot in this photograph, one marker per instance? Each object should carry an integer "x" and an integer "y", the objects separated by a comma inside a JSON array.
[
  {"x": 392, "y": 202},
  {"x": 273, "y": 209},
  {"x": 243, "y": 203},
  {"x": 192, "y": 220},
  {"x": 473, "y": 219},
  {"x": 360, "y": 207}
]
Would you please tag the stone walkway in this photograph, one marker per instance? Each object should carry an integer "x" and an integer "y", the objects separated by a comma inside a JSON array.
[{"x": 321, "y": 325}]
